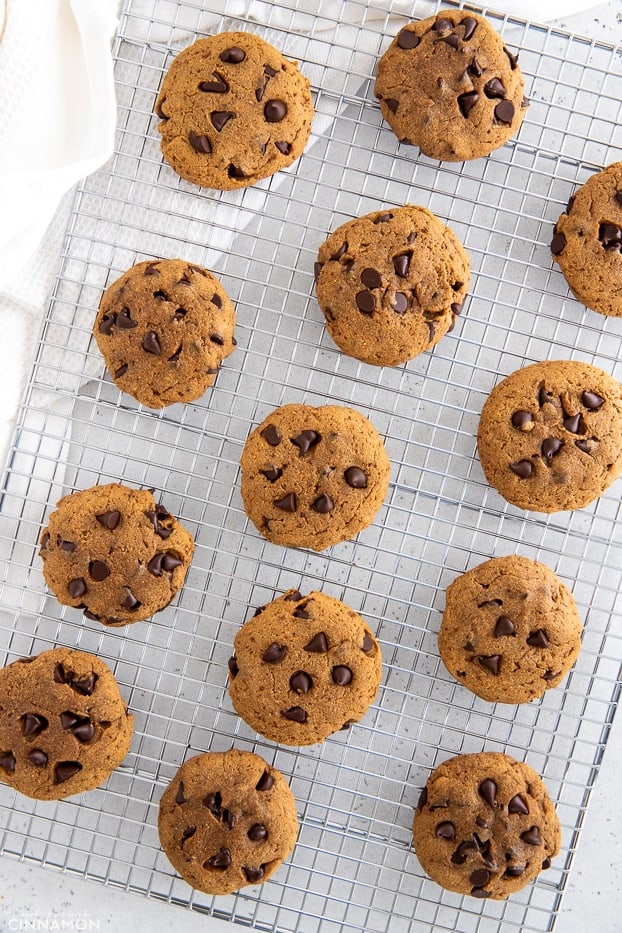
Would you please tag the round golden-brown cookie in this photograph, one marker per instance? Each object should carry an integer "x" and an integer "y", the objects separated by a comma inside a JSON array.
[
  {"x": 163, "y": 329},
  {"x": 233, "y": 111},
  {"x": 587, "y": 242},
  {"x": 114, "y": 552},
  {"x": 550, "y": 435},
  {"x": 312, "y": 477},
  {"x": 63, "y": 724},
  {"x": 227, "y": 819},
  {"x": 303, "y": 668},
  {"x": 485, "y": 825},
  {"x": 449, "y": 85},
  {"x": 391, "y": 283},
  {"x": 510, "y": 630}
]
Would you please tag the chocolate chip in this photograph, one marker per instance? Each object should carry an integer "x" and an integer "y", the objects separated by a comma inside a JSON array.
[
  {"x": 170, "y": 561},
  {"x": 341, "y": 675},
  {"x": 513, "y": 58},
  {"x": 494, "y": 88},
  {"x": 163, "y": 560},
  {"x": 492, "y": 663},
  {"x": 301, "y": 613},
  {"x": 549, "y": 675},
  {"x": 365, "y": 302},
  {"x": 272, "y": 474},
  {"x": 323, "y": 504},
  {"x": 306, "y": 440},
  {"x": 271, "y": 435},
  {"x": 467, "y": 101},
  {"x": 504, "y": 112},
  {"x": 522, "y": 468},
  {"x": 65, "y": 770},
  {"x": 265, "y": 782},
  {"x": 229, "y": 818},
  {"x": 300, "y": 682},
  {"x": 532, "y": 836},
  {"x": 470, "y": 25},
  {"x": 33, "y": 724},
  {"x": 400, "y": 302},
  {"x": 152, "y": 269},
  {"x": 234, "y": 172},
  {"x": 130, "y": 602},
  {"x": 85, "y": 685},
  {"x": 218, "y": 339},
  {"x": 107, "y": 323},
  {"x": 504, "y": 626},
  {"x": 583, "y": 445},
  {"x": 538, "y": 639},
  {"x": 514, "y": 871},
  {"x": 7, "y": 761},
  {"x": 475, "y": 69},
  {"x": 232, "y": 664},
  {"x": 294, "y": 597},
  {"x": 76, "y": 588},
  {"x": 283, "y": 147},
  {"x": 446, "y": 830},
  {"x": 356, "y": 478},
  {"x": 517, "y": 805},
  {"x": 423, "y": 799},
  {"x": 368, "y": 643},
  {"x": 610, "y": 235},
  {"x": 392, "y": 104},
  {"x": 109, "y": 520},
  {"x": 546, "y": 864},
  {"x": 592, "y": 401},
  {"x": 317, "y": 268},
  {"x": 407, "y": 39},
  {"x": 220, "y": 118},
  {"x": 287, "y": 503},
  {"x": 371, "y": 278},
  {"x": 221, "y": 861},
  {"x": 550, "y": 447},
  {"x": 401, "y": 264},
  {"x": 543, "y": 397},
  {"x": 38, "y": 757},
  {"x": 452, "y": 40},
  {"x": 188, "y": 832},
  {"x": 121, "y": 371},
  {"x": 213, "y": 802},
  {"x": 318, "y": 644},
  {"x": 258, "y": 832},
  {"x": 99, "y": 570},
  {"x": 124, "y": 320},
  {"x": 79, "y": 726},
  {"x": 480, "y": 892},
  {"x": 67, "y": 546},
  {"x": 442, "y": 25},
  {"x": 233, "y": 55},
  {"x": 219, "y": 86},
  {"x": 479, "y": 877},
  {"x": 382, "y": 218},
  {"x": 274, "y": 653},
  {"x": 343, "y": 249},
  {"x": 274, "y": 111},
  {"x": 295, "y": 714},
  {"x": 254, "y": 875},
  {"x": 521, "y": 419},
  {"x": 151, "y": 344},
  {"x": 558, "y": 243},
  {"x": 488, "y": 792}
]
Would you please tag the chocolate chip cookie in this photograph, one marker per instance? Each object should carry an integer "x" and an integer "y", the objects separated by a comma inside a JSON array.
[
  {"x": 304, "y": 667},
  {"x": 163, "y": 329},
  {"x": 227, "y": 819},
  {"x": 391, "y": 283},
  {"x": 312, "y": 477},
  {"x": 114, "y": 552},
  {"x": 550, "y": 435},
  {"x": 485, "y": 825},
  {"x": 63, "y": 724},
  {"x": 233, "y": 111},
  {"x": 587, "y": 242},
  {"x": 449, "y": 85},
  {"x": 510, "y": 630}
]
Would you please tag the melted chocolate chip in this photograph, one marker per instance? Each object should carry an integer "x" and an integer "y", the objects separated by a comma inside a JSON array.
[
  {"x": 274, "y": 653},
  {"x": 558, "y": 243},
  {"x": 318, "y": 644},
  {"x": 220, "y": 118},
  {"x": 151, "y": 344},
  {"x": 258, "y": 832},
  {"x": 341, "y": 675},
  {"x": 517, "y": 805},
  {"x": 488, "y": 792},
  {"x": 494, "y": 88},
  {"x": 188, "y": 832},
  {"x": 294, "y": 597},
  {"x": 7, "y": 761},
  {"x": 550, "y": 447},
  {"x": 470, "y": 25},
  {"x": 368, "y": 643},
  {"x": 480, "y": 892},
  {"x": 287, "y": 503},
  {"x": 107, "y": 323},
  {"x": 254, "y": 875},
  {"x": 407, "y": 39},
  {"x": 65, "y": 770},
  {"x": 33, "y": 724},
  {"x": 121, "y": 371},
  {"x": 233, "y": 56},
  {"x": 446, "y": 830},
  {"x": 479, "y": 877},
  {"x": 283, "y": 147},
  {"x": 467, "y": 101},
  {"x": 442, "y": 24},
  {"x": 492, "y": 663},
  {"x": 218, "y": 339},
  {"x": 365, "y": 302},
  {"x": 265, "y": 782},
  {"x": 546, "y": 864},
  {"x": 99, "y": 570},
  {"x": 514, "y": 871},
  {"x": 323, "y": 504},
  {"x": 392, "y": 103},
  {"x": 76, "y": 588},
  {"x": 401, "y": 264},
  {"x": 275, "y": 111},
  {"x": 124, "y": 320},
  {"x": 371, "y": 278},
  {"x": 356, "y": 478},
  {"x": 306, "y": 440},
  {"x": 504, "y": 112},
  {"x": 38, "y": 757},
  {"x": 532, "y": 836},
  {"x": 504, "y": 626},
  {"x": 522, "y": 468},
  {"x": 271, "y": 435},
  {"x": 295, "y": 714},
  {"x": 538, "y": 639},
  {"x": 400, "y": 302},
  {"x": 67, "y": 546},
  {"x": 340, "y": 252},
  {"x": 109, "y": 520},
  {"x": 232, "y": 664},
  {"x": 521, "y": 419},
  {"x": 610, "y": 236},
  {"x": 220, "y": 861},
  {"x": 300, "y": 682},
  {"x": 130, "y": 602},
  {"x": 592, "y": 400},
  {"x": 513, "y": 58},
  {"x": 163, "y": 560},
  {"x": 272, "y": 474},
  {"x": 213, "y": 802},
  {"x": 573, "y": 424},
  {"x": 218, "y": 86},
  {"x": 475, "y": 69}
]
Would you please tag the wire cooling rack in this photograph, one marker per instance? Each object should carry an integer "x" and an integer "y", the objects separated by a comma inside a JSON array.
[{"x": 352, "y": 868}]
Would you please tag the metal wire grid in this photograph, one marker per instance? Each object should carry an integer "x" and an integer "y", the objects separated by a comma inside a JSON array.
[{"x": 352, "y": 868}]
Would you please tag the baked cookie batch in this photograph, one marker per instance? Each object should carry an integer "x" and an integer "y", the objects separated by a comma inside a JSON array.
[{"x": 391, "y": 284}]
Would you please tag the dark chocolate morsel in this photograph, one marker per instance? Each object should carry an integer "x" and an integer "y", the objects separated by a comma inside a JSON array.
[
  {"x": 573, "y": 424},
  {"x": 234, "y": 172},
  {"x": 470, "y": 25},
  {"x": 480, "y": 892},
  {"x": 392, "y": 103},
  {"x": 408, "y": 39},
  {"x": 152, "y": 269},
  {"x": 356, "y": 478},
  {"x": 232, "y": 664},
  {"x": 504, "y": 112},
  {"x": 301, "y": 613},
  {"x": 317, "y": 268},
  {"x": 271, "y": 435},
  {"x": 67, "y": 546},
  {"x": 365, "y": 302},
  {"x": 522, "y": 418},
  {"x": 107, "y": 323},
  {"x": 300, "y": 682},
  {"x": 341, "y": 675},
  {"x": 222, "y": 860},
  {"x": 76, "y": 588},
  {"x": 517, "y": 805},
  {"x": 400, "y": 302},
  {"x": 258, "y": 832},
  {"x": 382, "y": 218},
  {"x": 274, "y": 653},
  {"x": 494, "y": 88},
  {"x": 504, "y": 626},
  {"x": 254, "y": 875},
  {"x": 583, "y": 445},
  {"x": 219, "y": 86},
  {"x": 610, "y": 235},
  {"x": 99, "y": 570},
  {"x": 467, "y": 101},
  {"x": 371, "y": 278},
  {"x": 86, "y": 685},
  {"x": 272, "y": 474},
  {"x": 514, "y": 871},
  {"x": 479, "y": 877},
  {"x": 180, "y": 796},
  {"x": 546, "y": 864},
  {"x": 492, "y": 663},
  {"x": 368, "y": 643},
  {"x": 124, "y": 320},
  {"x": 550, "y": 447},
  {"x": 130, "y": 602},
  {"x": 401, "y": 264},
  {"x": 306, "y": 440},
  {"x": 213, "y": 802},
  {"x": 591, "y": 400},
  {"x": 323, "y": 504},
  {"x": 199, "y": 143},
  {"x": 109, "y": 520},
  {"x": 220, "y": 118},
  {"x": 558, "y": 243},
  {"x": 513, "y": 58},
  {"x": 287, "y": 503},
  {"x": 151, "y": 344},
  {"x": 522, "y": 468},
  {"x": 538, "y": 639},
  {"x": 233, "y": 56},
  {"x": 7, "y": 761},
  {"x": 65, "y": 770},
  {"x": 295, "y": 714},
  {"x": 284, "y": 147},
  {"x": 38, "y": 757},
  {"x": 488, "y": 792},
  {"x": 293, "y": 597},
  {"x": 274, "y": 111},
  {"x": 217, "y": 339},
  {"x": 446, "y": 830},
  {"x": 442, "y": 24},
  {"x": 265, "y": 782},
  {"x": 91, "y": 615},
  {"x": 532, "y": 836},
  {"x": 475, "y": 69},
  {"x": 33, "y": 724},
  {"x": 188, "y": 832},
  {"x": 343, "y": 249},
  {"x": 121, "y": 371},
  {"x": 318, "y": 644},
  {"x": 423, "y": 799}
]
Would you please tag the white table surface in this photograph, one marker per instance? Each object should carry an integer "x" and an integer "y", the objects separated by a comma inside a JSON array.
[{"x": 34, "y": 898}]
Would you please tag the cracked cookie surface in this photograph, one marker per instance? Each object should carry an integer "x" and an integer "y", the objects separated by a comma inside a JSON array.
[
  {"x": 164, "y": 329},
  {"x": 312, "y": 477},
  {"x": 485, "y": 825},
  {"x": 587, "y": 242},
  {"x": 233, "y": 110},
  {"x": 390, "y": 284},
  {"x": 304, "y": 667},
  {"x": 510, "y": 630},
  {"x": 449, "y": 85},
  {"x": 226, "y": 820},
  {"x": 64, "y": 726},
  {"x": 550, "y": 435},
  {"x": 114, "y": 552}
]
